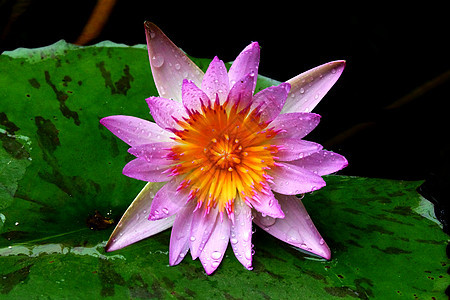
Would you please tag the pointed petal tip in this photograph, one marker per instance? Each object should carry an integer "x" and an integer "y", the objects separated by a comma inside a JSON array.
[
  {"x": 336, "y": 67},
  {"x": 322, "y": 251},
  {"x": 339, "y": 64},
  {"x": 111, "y": 245},
  {"x": 106, "y": 121},
  {"x": 209, "y": 269},
  {"x": 169, "y": 64},
  {"x": 307, "y": 91},
  {"x": 150, "y": 29},
  {"x": 102, "y": 121},
  {"x": 108, "y": 247},
  {"x": 254, "y": 45},
  {"x": 175, "y": 260}
]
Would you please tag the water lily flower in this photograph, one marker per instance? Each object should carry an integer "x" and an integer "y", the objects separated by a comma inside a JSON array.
[{"x": 219, "y": 157}]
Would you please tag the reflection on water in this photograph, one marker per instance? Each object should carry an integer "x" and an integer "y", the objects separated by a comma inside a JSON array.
[{"x": 35, "y": 251}]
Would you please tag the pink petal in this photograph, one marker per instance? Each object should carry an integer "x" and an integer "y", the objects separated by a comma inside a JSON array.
[
  {"x": 215, "y": 82},
  {"x": 322, "y": 162},
  {"x": 152, "y": 152},
  {"x": 135, "y": 131},
  {"x": 168, "y": 201},
  {"x": 268, "y": 205},
  {"x": 241, "y": 233},
  {"x": 293, "y": 149},
  {"x": 296, "y": 228},
  {"x": 295, "y": 125},
  {"x": 272, "y": 100},
  {"x": 169, "y": 64},
  {"x": 214, "y": 250},
  {"x": 134, "y": 225},
  {"x": 179, "y": 238},
  {"x": 193, "y": 96},
  {"x": 164, "y": 111},
  {"x": 245, "y": 63},
  {"x": 141, "y": 169},
  {"x": 201, "y": 229},
  {"x": 290, "y": 179},
  {"x": 242, "y": 91},
  {"x": 308, "y": 88}
]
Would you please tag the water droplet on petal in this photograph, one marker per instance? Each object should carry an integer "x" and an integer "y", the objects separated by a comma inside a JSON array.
[
  {"x": 215, "y": 264},
  {"x": 177, "y": 67},
  {"x": 192, "y": 238},
  {"x": 302, "y": 90},
  {"x": 321, "y": 242},
  {"x": 216, "y": 255},
  {"x": 157, "y": 60},
  {"x": 293, "y": 237},
  {"x": 267, "y": 221},
  {"x": 248, "y": 254},
  {"x": 165, "y": 210},
  {"x": 234, "y": 240}
]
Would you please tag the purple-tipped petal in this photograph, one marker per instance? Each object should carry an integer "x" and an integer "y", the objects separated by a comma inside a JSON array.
[
  {"x": 296, "y": 228},
  {"x": 322, "y": 162},
  {"x": 179, "y": 238},
  {"x": 169, "y": 64},
  {"x": 202, "y": 226},
  {"x": 242, "y": 91},
  {"x": 193, "y": 96},
  {"x": 272, "y": 100},
  {"x": 241, "y": 233},
  {"x": 215, "y": 82},
  {"x": 295, "y": 125},
  {"x": 141, "y": 169},
  {"x": 245, "y": 63},
  {"x": 214, "y": 250},
  {"x": 135, "y": 131},
  {"x": 308, "y": 88},
  {"x": 134, "y": 224},
  {"x": 292, "y": 180},
  {"x": 168, "y": 201},
  {"x": 165, "y": 111},
  {"x": 267, "y": 205},
  {"x": 293, "y": 149}
]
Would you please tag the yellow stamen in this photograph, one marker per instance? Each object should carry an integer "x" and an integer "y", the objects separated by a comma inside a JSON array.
[{"x": 223, "y": 151}]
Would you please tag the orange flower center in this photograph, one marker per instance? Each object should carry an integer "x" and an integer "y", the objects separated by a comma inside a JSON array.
[{"x": 223, "y": 152}]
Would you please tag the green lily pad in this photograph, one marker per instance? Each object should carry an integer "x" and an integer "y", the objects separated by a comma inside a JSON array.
[{"x": 62, "y": 190}]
